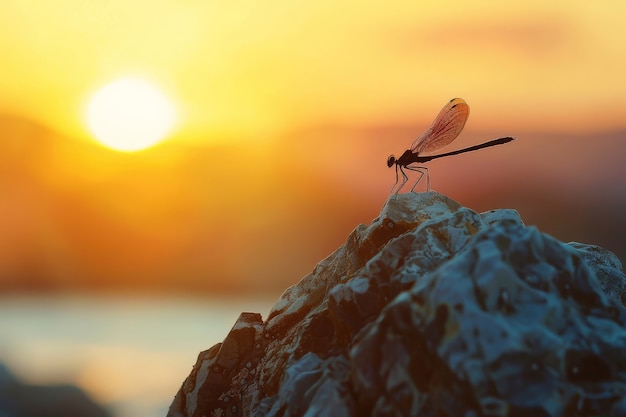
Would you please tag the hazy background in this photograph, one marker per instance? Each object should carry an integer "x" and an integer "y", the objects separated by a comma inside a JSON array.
[{"x": 287, "y": 113}]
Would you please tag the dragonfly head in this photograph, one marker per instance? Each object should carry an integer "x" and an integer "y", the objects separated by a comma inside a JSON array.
[{"x": 391, "y": 160}]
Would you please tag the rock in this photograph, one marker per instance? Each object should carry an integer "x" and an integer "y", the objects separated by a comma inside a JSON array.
[
  {"x": 22, "y": 400},
  {"x": 431, "y": 310}
]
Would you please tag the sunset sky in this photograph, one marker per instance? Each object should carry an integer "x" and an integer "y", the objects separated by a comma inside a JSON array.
[
  {"x": 286, "y": 112},
  {"x": 276, "y": 120},
  {"x": 250, "y": 67}
]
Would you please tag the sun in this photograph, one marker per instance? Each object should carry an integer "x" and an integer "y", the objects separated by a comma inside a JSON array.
[{"x": 130, "y": 114}]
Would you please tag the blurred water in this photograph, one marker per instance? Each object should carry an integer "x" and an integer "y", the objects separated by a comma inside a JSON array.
[{"x": 129, "y": 353}]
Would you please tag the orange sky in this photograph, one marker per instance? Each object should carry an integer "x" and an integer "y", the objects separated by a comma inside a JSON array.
[
  {"x": 287, "y": 112},
  {"x": 243, "y": 67}
]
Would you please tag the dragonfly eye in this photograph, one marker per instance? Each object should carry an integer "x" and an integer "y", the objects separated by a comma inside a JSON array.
[{"x": 391, "y": 161}]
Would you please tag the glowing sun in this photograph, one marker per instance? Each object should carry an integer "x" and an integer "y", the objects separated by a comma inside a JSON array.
[{"x": 130, "y": 114}]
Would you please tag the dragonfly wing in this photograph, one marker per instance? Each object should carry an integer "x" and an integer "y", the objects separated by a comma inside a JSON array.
[{"x": 445, "y": 128}]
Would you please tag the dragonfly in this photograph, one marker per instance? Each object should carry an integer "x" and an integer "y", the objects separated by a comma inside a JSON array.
[{"x": 444, "y": 130}]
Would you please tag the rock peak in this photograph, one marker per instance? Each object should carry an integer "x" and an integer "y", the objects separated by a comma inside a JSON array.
[{"x": 432, "y": 309}]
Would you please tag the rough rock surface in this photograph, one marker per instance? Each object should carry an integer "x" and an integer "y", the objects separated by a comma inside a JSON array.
[{"x": 431, "y": 310}]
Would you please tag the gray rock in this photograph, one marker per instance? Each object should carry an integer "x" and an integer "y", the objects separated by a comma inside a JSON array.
[{"x": 431, "y": 310}]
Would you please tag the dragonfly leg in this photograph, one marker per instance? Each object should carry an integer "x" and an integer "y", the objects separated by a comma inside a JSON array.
[
  {"x": 404, "y": 179},
  {"x": 422, "y": 171},
  {"x": 397, "y": 187},
  {"x": 395, "y": 183}
]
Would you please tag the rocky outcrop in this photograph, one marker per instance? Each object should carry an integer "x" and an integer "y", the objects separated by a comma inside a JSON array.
[{"x": 431, "y": 310}]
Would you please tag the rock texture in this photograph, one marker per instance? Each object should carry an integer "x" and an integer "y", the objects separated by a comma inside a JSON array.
[{"x": 431, "y": 310}]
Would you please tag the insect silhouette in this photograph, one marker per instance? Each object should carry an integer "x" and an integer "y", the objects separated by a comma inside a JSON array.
[{"x": 445, "y": 128}]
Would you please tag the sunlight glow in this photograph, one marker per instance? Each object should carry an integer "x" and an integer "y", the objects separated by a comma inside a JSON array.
[{"x": 130, "y": 114}]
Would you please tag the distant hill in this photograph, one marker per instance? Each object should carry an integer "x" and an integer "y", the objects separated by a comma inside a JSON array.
[{"x": 75, "y": 216}]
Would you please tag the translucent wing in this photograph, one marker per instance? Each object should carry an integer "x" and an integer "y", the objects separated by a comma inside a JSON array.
[{"x": 444, "y": 129}]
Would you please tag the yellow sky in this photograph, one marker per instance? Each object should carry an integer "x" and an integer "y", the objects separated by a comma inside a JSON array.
[
  {"x": 327, "y": 88},
  {"x": 262, "y": 67}
]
